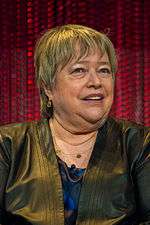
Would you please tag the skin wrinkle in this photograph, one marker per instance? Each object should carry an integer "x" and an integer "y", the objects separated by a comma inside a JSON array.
[
  {"x": 58, "y": 46},
  {"x": 68, "y": 92},
  {"x": 74, "y": 118}
]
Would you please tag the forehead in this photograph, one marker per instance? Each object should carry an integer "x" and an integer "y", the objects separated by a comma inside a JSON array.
[
  {"x": 93, "y": 56},
  {"x": 83, "y": 53},
  {"x": 83, "y": 50}
]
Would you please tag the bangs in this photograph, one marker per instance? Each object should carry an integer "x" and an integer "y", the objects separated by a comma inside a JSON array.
[{"x": 74, "y": 47}]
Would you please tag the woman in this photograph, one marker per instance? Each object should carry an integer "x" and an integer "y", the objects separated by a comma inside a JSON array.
[{"x": 77, "y": 166}]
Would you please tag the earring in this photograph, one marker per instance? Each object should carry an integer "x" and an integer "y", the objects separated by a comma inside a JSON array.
[{"x": 49, "y": 104}]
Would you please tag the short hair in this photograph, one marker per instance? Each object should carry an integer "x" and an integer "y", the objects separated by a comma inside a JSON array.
[{"x": 57, "y": 47}]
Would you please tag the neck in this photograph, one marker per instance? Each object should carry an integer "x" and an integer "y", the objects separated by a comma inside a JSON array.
[{"x": 67, "y": 136}]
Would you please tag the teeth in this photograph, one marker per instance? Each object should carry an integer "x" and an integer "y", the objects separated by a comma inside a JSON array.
[{"x": 94, "y": 98}]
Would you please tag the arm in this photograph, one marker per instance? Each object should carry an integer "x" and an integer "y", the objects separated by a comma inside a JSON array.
[
  {"x": 4, "y": 169},
  {"x": 142, "y": 182},
  {"x": 4, "y": 173},
  {"x": 5, "y": 164}
]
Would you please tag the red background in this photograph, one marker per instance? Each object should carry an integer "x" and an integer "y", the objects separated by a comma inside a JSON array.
[{"x": 126, "y": 22}]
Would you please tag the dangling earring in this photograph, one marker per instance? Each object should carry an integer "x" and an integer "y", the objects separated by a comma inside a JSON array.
[{"x": 49, "y": 104}]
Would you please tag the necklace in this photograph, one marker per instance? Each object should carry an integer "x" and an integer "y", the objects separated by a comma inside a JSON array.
[
  {"x": 75, "y": 148},
  {"x": 74, "y": 159},
  {"x": 76, "y": 156},
  {"x": 66, "y": 141},
  {"x": 73, "y": 174}
]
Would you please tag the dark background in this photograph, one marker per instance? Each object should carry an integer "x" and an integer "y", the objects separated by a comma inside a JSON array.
[{"x": 127, "y": 23}]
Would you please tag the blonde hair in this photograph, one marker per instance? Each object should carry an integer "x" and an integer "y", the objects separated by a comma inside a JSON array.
[{"x": 58, "y": 46}]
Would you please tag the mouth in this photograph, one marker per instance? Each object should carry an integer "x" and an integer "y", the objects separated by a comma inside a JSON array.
[{"x": 94, "y": 97}]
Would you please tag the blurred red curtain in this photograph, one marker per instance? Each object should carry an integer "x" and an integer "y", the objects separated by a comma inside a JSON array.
[{"x": 126, "y": 22}]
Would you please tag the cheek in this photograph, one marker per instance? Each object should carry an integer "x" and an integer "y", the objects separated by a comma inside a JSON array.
[
  {"x": 72, "y": 92},
  {"x": 65, "y": 96},
  {"x": 109, "y": 87}
]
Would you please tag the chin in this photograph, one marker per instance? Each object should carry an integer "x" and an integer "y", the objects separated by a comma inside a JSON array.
[{"x": 95, "y": 118}]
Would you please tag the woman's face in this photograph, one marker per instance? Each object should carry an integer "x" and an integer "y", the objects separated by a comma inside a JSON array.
[{"x": 83, "y": 93}]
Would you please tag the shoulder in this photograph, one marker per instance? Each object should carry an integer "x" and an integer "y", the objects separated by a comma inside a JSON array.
[
  {"x": 128, "y": 128},
  {"x": 134, "y": 140},
  {"x": 17, "y": 134},
  {"x": 15, "y": 129},
  {"x": 131, "y": 133}
]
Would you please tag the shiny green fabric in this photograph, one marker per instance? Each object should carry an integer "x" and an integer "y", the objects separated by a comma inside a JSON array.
[{"x": 116, "y": 185}]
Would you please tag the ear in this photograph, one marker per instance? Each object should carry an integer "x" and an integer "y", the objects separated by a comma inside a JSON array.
[{"x": 47, "y": 91}]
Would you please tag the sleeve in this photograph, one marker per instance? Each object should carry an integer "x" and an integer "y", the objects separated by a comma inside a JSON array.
[
  {"x": 7, "y": 218},
  {"x": 4, "y": 173},
  {"x": 142, "y": 181},
  {"x": 4, "y": 168}
]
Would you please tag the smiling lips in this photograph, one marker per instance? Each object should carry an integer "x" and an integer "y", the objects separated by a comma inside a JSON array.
[{"x": 94, "y": 97}]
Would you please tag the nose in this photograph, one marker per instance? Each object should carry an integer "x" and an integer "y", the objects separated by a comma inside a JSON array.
[{"x": 94, "y": 80}]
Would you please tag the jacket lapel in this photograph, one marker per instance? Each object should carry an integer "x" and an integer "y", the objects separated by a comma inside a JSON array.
[
  {"x": 93, "y": 187},
  {"x": 54, "y": 191},
  {"x": 91, "y": 202}
]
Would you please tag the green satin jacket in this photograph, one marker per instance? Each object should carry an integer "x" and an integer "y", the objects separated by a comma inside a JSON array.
[{"x": 116, "y": 185}]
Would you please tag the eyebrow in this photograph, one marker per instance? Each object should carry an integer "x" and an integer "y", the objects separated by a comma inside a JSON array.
[{"x": 99, "y": 62}]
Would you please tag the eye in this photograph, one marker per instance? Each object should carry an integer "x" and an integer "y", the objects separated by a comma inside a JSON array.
[
  {"x": 104, "y": 71},
  {"x": 79, "y": 70}
]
